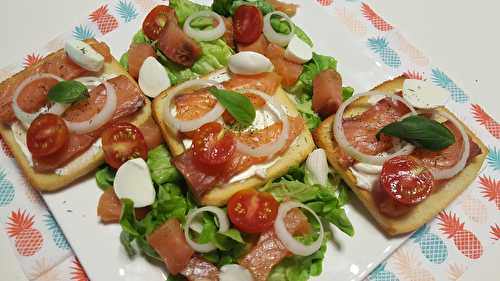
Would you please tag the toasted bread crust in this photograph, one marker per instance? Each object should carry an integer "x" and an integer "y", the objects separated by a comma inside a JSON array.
[
  {"x": 422, "y": 212},
  {"x": 52, "y": 181},
  {"x": 295, "y": 154}
]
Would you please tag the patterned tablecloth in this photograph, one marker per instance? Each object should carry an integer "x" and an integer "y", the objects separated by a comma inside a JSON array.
[{"x": 443, "y": 249}]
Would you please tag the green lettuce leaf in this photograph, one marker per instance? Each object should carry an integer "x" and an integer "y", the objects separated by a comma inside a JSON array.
[
  {"x": 300, "y": 268},
  {"x": 160, "y": 167},
  {"x": 326, "y": 201},
  {"x": 141, "y": 38},
  {"x": 282, "y": 26},
  {"x": 215, "y": 55},
  {"x": 105, "y": 177},
  {"x": 222, "y": 7},
  {"x": 304, "y": 106},
  {"x": 124, "y": 60},
  {"x": 302, "y": 35},
  {"x": 347, "y": 92},
  {"x": 263, "y": 6},
  {"x": 185, "y": 8}
]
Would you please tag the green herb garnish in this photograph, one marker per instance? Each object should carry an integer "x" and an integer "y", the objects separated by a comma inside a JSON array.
[
  {"x": 68, "y": 91},
  {"x": 420, "y": 131},
  {"x": 238, "y": 105}
]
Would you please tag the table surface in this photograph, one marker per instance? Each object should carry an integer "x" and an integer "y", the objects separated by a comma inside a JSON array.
[{"x": 459, "y": 36}]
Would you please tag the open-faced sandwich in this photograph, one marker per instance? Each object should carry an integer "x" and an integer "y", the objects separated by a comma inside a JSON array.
[
  {"x": 233, "y": 99},
  {"x": 52, "y": 113},
  {"x": 403, "y": 154}
]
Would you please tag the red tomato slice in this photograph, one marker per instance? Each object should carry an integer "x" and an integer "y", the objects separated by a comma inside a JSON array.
[
  {"x": 212, "y": 146},
  {"x": 247, "y": 24},
  {"x": 156, "y": 20},
  {"x": 122, "y": 142},
  {"x": 251, "y": 211},
  {"x": 46, "y": 135},
  {"x": 406, "y": 180}
]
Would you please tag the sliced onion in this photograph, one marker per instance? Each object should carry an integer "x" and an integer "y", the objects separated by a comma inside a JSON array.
[
  {"x": 223, "y": 227},
  {"x": 344, "y": 144},
  {"x": 287, "y": 239},
  {"x": 23, "y": 116},
  {"x": 205, "y": 35},
  {"x": 190, "y": 125},
  {"x": 276, "y": 37},
  {"x": 268, "y": 149},
  {"x": 90, "y": 82},
  {"x": 100, "y": 118}
]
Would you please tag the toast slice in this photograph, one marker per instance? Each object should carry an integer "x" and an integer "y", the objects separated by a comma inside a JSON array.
[
  {"x": 422, "y": 212},
  {"x": 79, "y": 166},
  {"x": 295, "y": 154}
]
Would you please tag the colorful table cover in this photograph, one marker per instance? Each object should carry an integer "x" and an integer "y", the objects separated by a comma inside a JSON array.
[{"x": 443, "y": 249}]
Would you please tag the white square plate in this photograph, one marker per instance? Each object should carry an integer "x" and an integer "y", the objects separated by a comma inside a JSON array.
[{"x": 98, "y": 247}]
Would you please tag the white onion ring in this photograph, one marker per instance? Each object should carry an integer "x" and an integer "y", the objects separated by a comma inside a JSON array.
[
  {"x": 268, "y": 149},
  {"x": 90, "y": 81},
  {"x": 100, "y": 118},
  {"x": 223, "y": 227},
  {"x": 205, "y": 35},
  {"x": 276, "y": 37},
  {"x": 23, "y": 116},
  {"x": 190, "y": 125},
  {"x": 287, "y": 239},
  {"x": 344, "y": 144}
]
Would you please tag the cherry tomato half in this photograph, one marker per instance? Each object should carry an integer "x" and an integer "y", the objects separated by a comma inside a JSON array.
[
  {"x": 406, "y": 180},
  {"x": 46, "y": 135},
  {"x": 122, "y": 142},
  {"x": 251, "y": 211},
  {"x": 156, "y": 20},
  {"x": 212, "y": 146},
  {"x": 247, "y": 24}
]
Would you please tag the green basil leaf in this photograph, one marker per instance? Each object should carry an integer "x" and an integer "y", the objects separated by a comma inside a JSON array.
[
  {"x": 68, "y": 91},
  {"x": 236, "y": 104},
  {"x": 420, "y": 131}
]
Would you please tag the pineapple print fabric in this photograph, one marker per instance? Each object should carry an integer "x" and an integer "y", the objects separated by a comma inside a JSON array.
[{"x": 443, "y": 249}]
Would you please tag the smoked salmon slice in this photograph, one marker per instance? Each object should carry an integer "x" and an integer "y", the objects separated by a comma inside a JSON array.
[
  {"x": 259, "y": 46},
  {"x": 327, "y": 92},
  {"x": 269, "y": 250},
  {"x": 449, "y": 156},
  {"x": 267, "y": 82},
  {"x": 177, "y": 46},
  {"x": 129, "y": 100},
  {"x": 288, "y": 70},
  {"x": 58, "y": 64},
  {"x": 137, "y": 54},
  {"x": 196, "y": 104},
  {"x": 228, "y": 34},
  {"x": 110, "y": 207},
  {"x": 169, "y": 242},
  {"x": 361, "y": 132},
  {"x": 202, "y": 182},
  {"x": 199, "y": 269}
]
